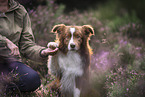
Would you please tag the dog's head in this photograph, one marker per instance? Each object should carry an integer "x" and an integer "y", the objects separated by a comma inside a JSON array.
[{"x": 71, "y": 38}]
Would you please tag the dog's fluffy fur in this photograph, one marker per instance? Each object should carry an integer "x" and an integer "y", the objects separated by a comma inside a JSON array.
[{"x": 70, "y": 65}]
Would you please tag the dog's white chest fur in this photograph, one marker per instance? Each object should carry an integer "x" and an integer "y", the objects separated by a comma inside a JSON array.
[
  {"x": 70, "y": 66},
  {"x": 70, "y": 63}
]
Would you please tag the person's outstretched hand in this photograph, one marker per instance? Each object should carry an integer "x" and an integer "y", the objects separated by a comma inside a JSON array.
[
  {"x": 51, "y": 50},
  {"x": 14, "y": 49}
]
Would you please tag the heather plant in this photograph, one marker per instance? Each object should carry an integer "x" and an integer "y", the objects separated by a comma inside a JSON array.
[
  {"x": 133, "y": 30},
  {"x": 125, "y": 83},
  {"x": 126, "y": 77},
  {"x": 118, "y": 69},
  {"x": 43, "y": 19},
  {"x": 7, "y": 81}
]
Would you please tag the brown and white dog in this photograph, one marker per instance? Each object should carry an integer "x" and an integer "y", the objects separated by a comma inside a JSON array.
[{"x": 70, "y": 65}]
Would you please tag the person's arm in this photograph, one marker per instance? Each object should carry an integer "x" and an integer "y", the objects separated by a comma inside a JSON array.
[
  {"x": 27, "y": 45},
  {"x": 6, "y": 42},
  {"x": 2, "y": 39}
]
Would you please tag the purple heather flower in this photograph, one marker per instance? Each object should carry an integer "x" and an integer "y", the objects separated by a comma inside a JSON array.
[
  {"x": 102, "y": 29},
  {"x": 133, "y": 25},
  {"x": 127, "y": 89}
]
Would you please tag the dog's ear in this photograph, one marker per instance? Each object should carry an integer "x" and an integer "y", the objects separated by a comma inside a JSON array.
[
  {"x": 58, "y": 28},
  {"x": 88, "y": 30}
]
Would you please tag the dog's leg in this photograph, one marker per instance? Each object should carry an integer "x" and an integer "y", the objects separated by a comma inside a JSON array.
[
  {"x": 54, "y": 85},
  {"x": 76, "y": 92}
]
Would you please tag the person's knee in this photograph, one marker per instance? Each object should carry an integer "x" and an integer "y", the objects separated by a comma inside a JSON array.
[
  {"x": 35, "y": 80},
  {"x": 29, "y": 79},
  {"x": 31, "y": 82}
]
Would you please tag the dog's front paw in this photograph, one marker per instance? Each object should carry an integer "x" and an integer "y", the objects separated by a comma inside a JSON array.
[{"x": 52, "y": 45}]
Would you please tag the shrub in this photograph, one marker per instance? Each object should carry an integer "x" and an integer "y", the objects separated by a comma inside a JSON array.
[
  {"x": 126, "y": 77},
  {"x": 133, "y": 30},
  {"x": 7, "y": 81}
]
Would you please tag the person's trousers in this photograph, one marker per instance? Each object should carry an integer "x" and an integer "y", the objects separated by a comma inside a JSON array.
[{"x": 28, "y": 79}]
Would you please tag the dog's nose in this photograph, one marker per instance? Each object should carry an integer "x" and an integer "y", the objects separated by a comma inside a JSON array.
[{"x": 72, "y": 45}]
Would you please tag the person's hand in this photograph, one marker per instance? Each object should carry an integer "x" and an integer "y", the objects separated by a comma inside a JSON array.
[
  {"x": 14, "y": 49},
  {"x": 51, "y": 50}
]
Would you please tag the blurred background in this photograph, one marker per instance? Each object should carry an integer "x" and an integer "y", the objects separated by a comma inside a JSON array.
[{"x": 118, "y": 61}]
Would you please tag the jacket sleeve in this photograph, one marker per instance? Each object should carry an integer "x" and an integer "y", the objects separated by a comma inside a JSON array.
[
  {"x": 2, "y": 40},
  {"x": 28, "y": 48}
]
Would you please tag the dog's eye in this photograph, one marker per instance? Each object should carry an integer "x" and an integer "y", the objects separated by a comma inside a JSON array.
[
  {"x": 67, "y": 37},
  {"x": 78, "y": 36}
]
